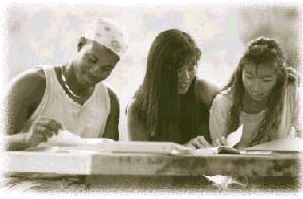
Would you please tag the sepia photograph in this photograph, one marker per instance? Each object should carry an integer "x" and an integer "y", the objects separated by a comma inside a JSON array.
[{"x": 157, "y": 99}]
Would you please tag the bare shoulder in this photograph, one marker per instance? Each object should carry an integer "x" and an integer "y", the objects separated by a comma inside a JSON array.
[
  {"x": 223, "y": 99},
  {"x": 207, "y": 85},
  {"x": 207, "y": 90},
  {"x": 28, "y": 84},
  {"x": 29, "y": 77}
]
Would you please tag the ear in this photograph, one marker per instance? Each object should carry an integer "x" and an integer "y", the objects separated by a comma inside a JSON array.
[{"x": 82, "y": 41}]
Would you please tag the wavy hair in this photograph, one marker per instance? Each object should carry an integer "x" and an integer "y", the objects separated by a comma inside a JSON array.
[
  {"x": 266, "y": 52},
  {"x": 156, "y": 100}
]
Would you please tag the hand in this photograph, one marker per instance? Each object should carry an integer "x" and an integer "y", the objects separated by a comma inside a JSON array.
[
  {"x": 292, "y": 73},
  {"x": 41, "y": 130},
  {"x": 220, "y": 142},
  {"x": 198, "y": 143}
]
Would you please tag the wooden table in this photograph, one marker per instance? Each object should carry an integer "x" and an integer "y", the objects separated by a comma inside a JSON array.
[
  {"x": 91, "y": 163},
  {"x": 162, "y": 169}
]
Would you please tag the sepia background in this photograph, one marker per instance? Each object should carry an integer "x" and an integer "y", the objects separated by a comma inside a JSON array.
[{"x": 47, "y": 34}]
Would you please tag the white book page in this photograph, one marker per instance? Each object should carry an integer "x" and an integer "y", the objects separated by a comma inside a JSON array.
[{"x": 235, "y": 137}]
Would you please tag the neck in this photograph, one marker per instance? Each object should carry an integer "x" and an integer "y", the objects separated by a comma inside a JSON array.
[{"x": 70, "y": 81}]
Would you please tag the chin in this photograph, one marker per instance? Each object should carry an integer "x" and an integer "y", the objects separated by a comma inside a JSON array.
[
  {"x": 182, "y": 92},
  {"x": 259, "y": 98}
]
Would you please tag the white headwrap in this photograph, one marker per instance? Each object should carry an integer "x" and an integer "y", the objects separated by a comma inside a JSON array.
[{"x": 110, "y": 34}]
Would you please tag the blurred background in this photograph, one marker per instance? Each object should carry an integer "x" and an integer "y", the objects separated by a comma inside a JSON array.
[{"x": 43, "y": 34}]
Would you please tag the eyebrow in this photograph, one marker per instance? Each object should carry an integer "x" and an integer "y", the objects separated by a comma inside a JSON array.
[{"x": 93, "y": 56}]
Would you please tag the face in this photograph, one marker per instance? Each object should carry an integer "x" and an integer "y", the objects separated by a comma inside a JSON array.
[
  {"x": 186, "y": 74},
  {"x": 259, "y": 81},
  {"x": 94, "y": 63}
]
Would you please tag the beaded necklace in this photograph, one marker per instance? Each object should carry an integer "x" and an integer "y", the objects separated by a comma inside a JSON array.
[{"x": 67, "y": 87}]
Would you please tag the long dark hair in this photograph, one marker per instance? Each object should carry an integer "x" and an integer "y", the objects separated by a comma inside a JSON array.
[
  {"x": 156, "y": 100},
  {"x": 267, "y": 52}
]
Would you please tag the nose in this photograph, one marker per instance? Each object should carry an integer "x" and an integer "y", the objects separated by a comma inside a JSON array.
[
  {"x": 257, "y": 86},
  {"x": 95, "y": 71},
  {"x": 184, "y": 74}
]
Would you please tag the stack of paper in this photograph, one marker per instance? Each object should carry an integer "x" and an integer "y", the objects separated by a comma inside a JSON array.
[
  {"x": 67, "y": 141},
  {"x": 235, "y": 137},
  {"x": 105, "y": 145},
  {"x": 142, "y": 147}
]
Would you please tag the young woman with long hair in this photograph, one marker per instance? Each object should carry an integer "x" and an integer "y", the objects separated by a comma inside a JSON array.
[
  {"x": 261, "y": 95},
  {"x": 172, "y": 104}
]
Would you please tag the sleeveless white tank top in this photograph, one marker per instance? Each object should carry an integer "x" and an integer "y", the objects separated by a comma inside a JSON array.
[{"x": 87, "y": 120}]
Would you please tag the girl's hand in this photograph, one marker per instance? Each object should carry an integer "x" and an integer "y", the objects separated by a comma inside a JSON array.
[
  {"x": 220, "y": 142},
  {"x": 291, "y": 72},
  {"x": 198, "y": 143}
]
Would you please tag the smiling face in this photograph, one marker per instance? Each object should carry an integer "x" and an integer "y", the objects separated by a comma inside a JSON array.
[
  {"x": 259, "y": 81},
  {"x": 186, "y": 74},
  {"x": 93, "y": 63}
]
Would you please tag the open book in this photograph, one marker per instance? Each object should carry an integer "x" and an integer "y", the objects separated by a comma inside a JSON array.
[{"x": 289, "y": 145}]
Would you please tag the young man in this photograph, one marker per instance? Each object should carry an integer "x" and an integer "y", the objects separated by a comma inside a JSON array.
[{"x": 43, "y": 100}]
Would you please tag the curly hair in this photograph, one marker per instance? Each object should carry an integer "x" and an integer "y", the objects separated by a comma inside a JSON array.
[
  {"x": 156, "y": 100},
  {"x": 266, "y": 52}
]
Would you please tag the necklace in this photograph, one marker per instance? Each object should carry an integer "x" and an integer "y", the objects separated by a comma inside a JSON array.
[{"x": 67, "y": 87}]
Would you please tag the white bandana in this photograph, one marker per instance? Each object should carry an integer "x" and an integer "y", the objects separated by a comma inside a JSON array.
[{"x": 110, "y": 34}]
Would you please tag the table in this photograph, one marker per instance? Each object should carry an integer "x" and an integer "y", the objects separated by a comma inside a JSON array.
[
  {"x": 156, "y": 170},
  {"x": 90, "y": 163}
]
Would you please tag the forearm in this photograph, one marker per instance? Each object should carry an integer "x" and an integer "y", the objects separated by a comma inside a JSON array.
[
  {"x": 218, "y": 115},
  {"x": 17, "y": 142},
  {"x": 216, "y": 126},
  {"x": 204, "y": 131}
]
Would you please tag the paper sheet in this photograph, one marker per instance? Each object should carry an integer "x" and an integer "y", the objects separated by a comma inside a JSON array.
[
  {"x": 211, "y": 150},
  {"x": 235, "y": 137},
  {"x": 63, "y": 137},
  {"x": 67, "y": 138},
  {"x": 289, "y": 144}
]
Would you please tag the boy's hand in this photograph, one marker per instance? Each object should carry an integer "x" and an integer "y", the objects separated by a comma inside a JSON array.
[{"x": 41, "y": 130}]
